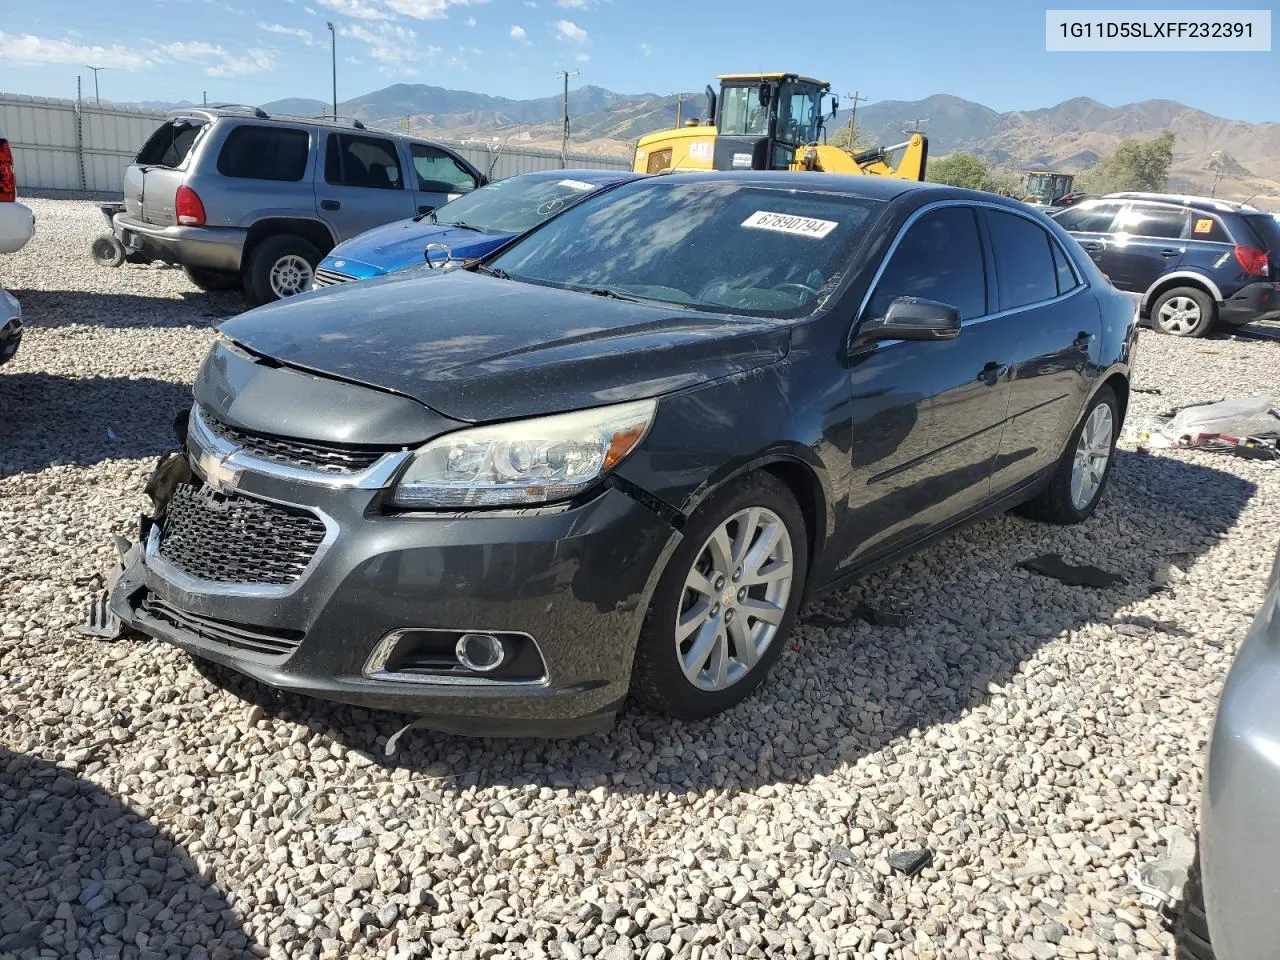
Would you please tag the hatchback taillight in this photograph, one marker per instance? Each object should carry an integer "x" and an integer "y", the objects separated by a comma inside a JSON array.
[
  {"x": 189, "y": 208},
  {"x": 1252, "y": 261},
  {"x": 8, "y": 182}
]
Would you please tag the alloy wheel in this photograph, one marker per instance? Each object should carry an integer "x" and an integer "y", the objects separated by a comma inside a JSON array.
[
  {"x": 1179, "y": 315},
  {"x": 1093, "y": 453},
  {"x": 291, "y": 274},
  {"x": 734, "y": 598}
]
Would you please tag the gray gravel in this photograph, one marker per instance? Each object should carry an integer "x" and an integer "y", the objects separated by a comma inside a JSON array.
[{"x": 1036, "y": 738}]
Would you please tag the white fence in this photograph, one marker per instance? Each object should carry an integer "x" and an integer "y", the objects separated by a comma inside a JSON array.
[{"x": 65, "y": 145}]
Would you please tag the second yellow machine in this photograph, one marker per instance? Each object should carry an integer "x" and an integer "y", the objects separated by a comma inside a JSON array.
[{"x": 771, "y": 121}]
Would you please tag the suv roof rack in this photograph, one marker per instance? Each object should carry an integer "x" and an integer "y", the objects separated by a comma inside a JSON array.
[
  {"x": 256, "y": 111},
  {"x": 1185, "y": 199}
]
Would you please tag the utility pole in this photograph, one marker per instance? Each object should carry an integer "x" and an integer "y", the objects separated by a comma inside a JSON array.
[
  {"x": 917, "y": 121},
  {"x": 679, "y": 108},
  {"x": 204, "y": 97},
  {"x": 853, "y": 114},
  {"x": 97, "y": 101},
  {"x": 333, "y": 55},
  {"x": 564, "y": 140}
]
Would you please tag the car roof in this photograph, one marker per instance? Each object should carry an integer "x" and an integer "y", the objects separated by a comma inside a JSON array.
[
  {"x": 1184, "y": 200},
  {"x": 875, "y": 188},
  {"x": 595, "y": 175}
]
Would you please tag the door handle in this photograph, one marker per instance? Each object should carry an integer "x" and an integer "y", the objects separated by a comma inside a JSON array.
[
  {"x": 330, "y": 205},
  {"x": 1092, "y": 246},
  {"x": 992, "y": 372},
  {"x": 1167, "y": 252}
]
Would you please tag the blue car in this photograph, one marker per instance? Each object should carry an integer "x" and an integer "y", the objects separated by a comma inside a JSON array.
[{"x": 471, "y": 226}]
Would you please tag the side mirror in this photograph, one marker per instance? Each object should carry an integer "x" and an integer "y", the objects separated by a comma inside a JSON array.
[
  {"x": 911, "y": 318},
  {"x": 482, "y": 182},
  {"x": 437, "y": 255},
  {"x": 835, "y": 106}
]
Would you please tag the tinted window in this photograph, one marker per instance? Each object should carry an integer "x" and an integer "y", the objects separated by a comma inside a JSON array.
[
  {"x": 355, "y": 161},
  {"x": 1067, "y": 279},
  {"x": 258, "y": 152},
  {"x": 1205, "y": 226},
  {"x": 706, "y": 244},
  {"x": 1150, "y": 220},
  {"x": 516, "y": 204},
  {"x": 439, "y": 172},
  {"x": 1267, "y": 229},
  {"x": 1088, "y": 217},
  {"x": 1025, "y": 272},
  {"x": 938, "y": 258},
  {"x": 170, "y": 144}
]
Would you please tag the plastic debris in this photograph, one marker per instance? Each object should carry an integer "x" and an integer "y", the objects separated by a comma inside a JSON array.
[
  {"x": 1248, "y": 427},
  {"x": 390, "y": 748},
  {"x": 101, "y": 622},
  {"x": 1160, "y": 882},
  {"x": 1052, "y": 565},
  {"x": 910, "y": 862}
]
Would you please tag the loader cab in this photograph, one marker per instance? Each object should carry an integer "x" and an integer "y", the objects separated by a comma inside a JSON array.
[
  {"x": 1045, "y": 188},
  {"x": 762, "y": 120}
]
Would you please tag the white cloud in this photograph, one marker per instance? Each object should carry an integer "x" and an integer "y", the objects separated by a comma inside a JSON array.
[
  {"x": 359, "y": 9},
  {"x": 355, "y": 60},
  {"x": 531, "y": 3},
  {"x": 305, "y": 36},
  {"x": 583, "y": 57},
  {"x": 190, "y": 50},
  {"x": 471, "y": 21},
  {"x": 646, "y": 49},
  {"x": 29, "y": 50},
  {"x": 388, "y": 43},
  {"x": 576, "y": 4},
  {"x": 427, "y": 9},
  {"x": 257, "y": 61},
  {"x": 568, "y": 30},
  {"x": 311, "y": 10},
  {"x": 517, "y": 33}
]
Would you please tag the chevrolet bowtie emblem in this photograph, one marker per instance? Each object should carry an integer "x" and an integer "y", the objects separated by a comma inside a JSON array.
[{"x": 218, "y": 474}]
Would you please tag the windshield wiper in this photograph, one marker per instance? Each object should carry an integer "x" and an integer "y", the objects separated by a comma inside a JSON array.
[
  {"x": 492, "y": 271},
  {"x": 461, "y": 225},
  {"x": 612, "y": 294},
  {"x": 424, "y": 214}
]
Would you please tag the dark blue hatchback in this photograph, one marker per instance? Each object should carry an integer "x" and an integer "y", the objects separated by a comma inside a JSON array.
[
  {"x": 471, "y": 226},
  {"x": 1194, "y": 261}
]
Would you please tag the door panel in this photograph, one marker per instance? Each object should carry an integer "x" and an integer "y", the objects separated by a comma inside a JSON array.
[
  {"x": 1147, "y": 241},
  {"x": 361, "y": 184}
]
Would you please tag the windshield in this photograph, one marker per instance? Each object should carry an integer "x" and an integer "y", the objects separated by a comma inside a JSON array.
[
  {"x": 516, "y": 204},
  {"x": 722, "y": 246}
]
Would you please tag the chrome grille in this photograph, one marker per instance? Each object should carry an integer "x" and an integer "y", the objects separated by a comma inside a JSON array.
[
  {"x": 327, "y": 278},
  {"x": 230, "y": 538},
  {"x": 238, "y": 636},
  {"x": 304, "y": 454}
]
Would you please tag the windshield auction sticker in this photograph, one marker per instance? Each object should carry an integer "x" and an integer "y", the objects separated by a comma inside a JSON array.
[
  {"x": 1157, "y": 30},
  {"x": 786, "y": 223},
  {"x": 577, "y": 185}
]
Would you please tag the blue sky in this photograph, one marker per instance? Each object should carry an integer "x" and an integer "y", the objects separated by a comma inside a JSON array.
[{"x": 259, "y": 50}]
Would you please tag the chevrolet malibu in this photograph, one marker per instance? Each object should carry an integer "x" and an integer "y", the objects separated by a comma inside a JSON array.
[{"x": 615, "y": 456}]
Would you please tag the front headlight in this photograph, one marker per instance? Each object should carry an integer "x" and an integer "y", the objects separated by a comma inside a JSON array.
[{"x": 523, "y": 462}]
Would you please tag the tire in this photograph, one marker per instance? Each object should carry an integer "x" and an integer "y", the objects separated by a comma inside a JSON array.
[
  {"x": 107, "y": 251},
  {"x": 212, "y": 281},
  {"x": 1060, "y": 502},
  {"x": 1191, "y": 932},
  {"x": 1184, "y": 312},
  {"x": 659, "y": 679},
  {"x": 282, "y": 256}
]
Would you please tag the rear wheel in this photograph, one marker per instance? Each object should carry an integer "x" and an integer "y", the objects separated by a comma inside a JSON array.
[
  {"x": 212, "y": 280},
  {"x": 279, "y": 267},
  {"x": 1081, "y": 474},
  {"x": 726, "y": 602},
  {"x": 1184, "y": 312}
]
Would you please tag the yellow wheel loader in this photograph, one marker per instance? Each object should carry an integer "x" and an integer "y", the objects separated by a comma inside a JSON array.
[{"x": 771, "y": 121}]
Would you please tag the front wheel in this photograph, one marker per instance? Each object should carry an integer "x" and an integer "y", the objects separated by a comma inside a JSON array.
[
  {"x": 279, "y": 267},
  {"x": 725, "y": 603},
  {"x": 1082, "y": 472}
]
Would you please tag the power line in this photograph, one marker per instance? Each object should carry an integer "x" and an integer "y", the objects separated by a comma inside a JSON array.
[{"x": 96, "y": 99}]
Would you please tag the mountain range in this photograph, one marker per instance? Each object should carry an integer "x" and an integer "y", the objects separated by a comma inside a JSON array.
[{"x": 1235, "y": 158}]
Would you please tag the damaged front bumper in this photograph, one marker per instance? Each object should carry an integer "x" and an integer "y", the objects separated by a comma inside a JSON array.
[{"x": 377, "y": 612}]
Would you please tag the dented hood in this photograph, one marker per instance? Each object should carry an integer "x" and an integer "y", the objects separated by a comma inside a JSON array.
[{"x": 477, "y": 348}]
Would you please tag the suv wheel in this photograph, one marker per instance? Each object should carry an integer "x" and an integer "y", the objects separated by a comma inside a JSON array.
[
  {"x": 725, "y": 604},
  {"x": 280, "y": 267},
  {"x": 211, "y": 280},
  {"x": 1184, "y": 312},
  {"x": 1081, "y": 475}
]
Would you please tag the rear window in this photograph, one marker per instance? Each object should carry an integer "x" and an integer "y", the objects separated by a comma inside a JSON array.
[
  {"x": 1152, "y": 220},
  {"x": 1267, "y": 229},
  {"x": 170, "y": 144},
  {"x": 722, "y": 246},
  {"x": 1025, "y": 271},
  {"x": 1088, "y": 217},
  {"x": 259, "y": 152}
]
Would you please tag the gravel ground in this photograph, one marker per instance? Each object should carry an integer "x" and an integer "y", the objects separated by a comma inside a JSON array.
[{"x": 1036, "y": 738}]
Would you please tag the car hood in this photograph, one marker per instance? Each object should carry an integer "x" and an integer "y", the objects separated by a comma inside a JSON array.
[
  {"x": 477, "y": 348},
  {"x": 403, "y": 244}
]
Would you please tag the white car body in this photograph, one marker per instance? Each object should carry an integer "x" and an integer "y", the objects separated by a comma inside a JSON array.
[{"x": 17, "y": 226}]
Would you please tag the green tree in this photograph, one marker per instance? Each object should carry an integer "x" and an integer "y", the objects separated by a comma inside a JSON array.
[
  {"x": 1135, "y": 165},
  {"x": 840, "y": 138},
  {"x": 958, "y": 170}
]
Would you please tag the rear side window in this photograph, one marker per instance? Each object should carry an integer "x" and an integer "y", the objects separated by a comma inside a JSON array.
[
  {"x": 170, "y": 144},
  {"x": 355, "y": 161},
  {"x": 938, "y": 258},
  {"x": 1150, "y": 220},
  {"x": 1088, "y": 217},
  {"x": 258, "y": 152},
  {"x": 438, "y": 172},
  {"x": 1067, "y": 279},
  {"x": 1025, "y": 271},
  {"x": 1205, "y": 226}
]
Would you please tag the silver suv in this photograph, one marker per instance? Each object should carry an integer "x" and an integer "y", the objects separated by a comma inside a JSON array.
[{"x": 240, "y": 197}]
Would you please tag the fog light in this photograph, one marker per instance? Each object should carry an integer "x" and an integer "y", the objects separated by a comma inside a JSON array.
[{"x": 481, "y": 652}]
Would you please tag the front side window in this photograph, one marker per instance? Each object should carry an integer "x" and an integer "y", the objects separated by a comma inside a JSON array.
[
  {"x": 514, "y": 205},
  {"x": 798, "y": 113},
  {"x": 358, "y": 161},
  {"x": 1151, "y": 220},
  {"x": 938, "y": 258},
  {"x": 1088, "y": 217},
  {"x": 741, "y": 113},
  {"x": 440, "y": 172},
  {"x": 1025, "y": 272},
  {"x": 260, "y": 152},
  {"x": 170, "y": 144},
  {"x": 706, "y": 245}
]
